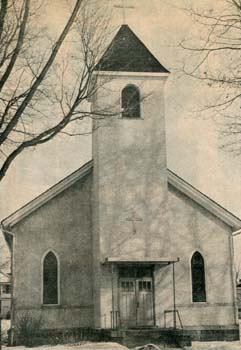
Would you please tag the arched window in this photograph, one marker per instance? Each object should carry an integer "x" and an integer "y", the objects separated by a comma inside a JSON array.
[
  {"x": 198, "y": 278},
  {"x": 130, "y": 102},
  {"x": 50, "y": 279}
]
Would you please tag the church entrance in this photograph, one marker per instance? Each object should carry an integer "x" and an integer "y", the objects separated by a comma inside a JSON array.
[{"x": 136, "y": 296}]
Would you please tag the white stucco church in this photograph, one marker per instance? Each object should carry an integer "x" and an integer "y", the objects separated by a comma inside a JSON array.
[{"x": 123, "y": 242}]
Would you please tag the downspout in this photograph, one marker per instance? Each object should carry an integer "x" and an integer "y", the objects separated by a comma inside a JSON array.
[
  {"x": 174, "y": 297},
  {"x": 112, "y": 297}
]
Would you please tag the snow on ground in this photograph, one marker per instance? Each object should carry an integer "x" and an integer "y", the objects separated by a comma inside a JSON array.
[
  {"x": 116, "y": 346},
  {"x": 215, "y": 345},
  {"x": 87, "y": 346}
]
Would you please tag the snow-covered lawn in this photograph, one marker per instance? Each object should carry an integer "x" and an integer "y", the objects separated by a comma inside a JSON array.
[
  {"x": 87, "y": 346},
  {"x": 215, "y": 345},
  {"x": 115, "y": 346}
]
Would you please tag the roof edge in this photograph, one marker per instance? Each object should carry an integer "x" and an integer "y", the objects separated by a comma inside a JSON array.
[
  {"x": 173, "y": 179},
  {"x": 131, "y": 74},
  {"x": 210, "y": 205},
  {"x": 49, "y": 194},
  {"x": 110, "y": 46}
]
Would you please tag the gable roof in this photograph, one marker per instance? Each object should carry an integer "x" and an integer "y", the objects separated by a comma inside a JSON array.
[
  {"x": 173, "y": 179},
  {"x": 46, "y": 196},
  {"x": 127, "y": 53},
  {"x": 204, "y": 201}
]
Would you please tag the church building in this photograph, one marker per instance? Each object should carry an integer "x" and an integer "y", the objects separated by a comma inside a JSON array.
[{"x": 123, "y": 242}]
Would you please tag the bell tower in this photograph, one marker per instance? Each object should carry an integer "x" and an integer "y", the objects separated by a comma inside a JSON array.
[{"x": 130, "y": 221}]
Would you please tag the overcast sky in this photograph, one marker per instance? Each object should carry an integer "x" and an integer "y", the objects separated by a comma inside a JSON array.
[{"x": 192, "y": 142}]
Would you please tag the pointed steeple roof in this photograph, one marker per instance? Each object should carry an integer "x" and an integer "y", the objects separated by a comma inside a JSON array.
[{"x": 127, "y": 53}]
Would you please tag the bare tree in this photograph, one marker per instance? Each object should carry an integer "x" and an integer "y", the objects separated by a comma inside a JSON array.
[
  {"x": 44, "y": 83},
  {"x": 215, "y": 49}
]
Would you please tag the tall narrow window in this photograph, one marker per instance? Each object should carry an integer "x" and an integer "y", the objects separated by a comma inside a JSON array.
[
  {"x": 130, "y": 102},
  {"x": 198, "y": 278},
  {"x": 50, "y": 279}
]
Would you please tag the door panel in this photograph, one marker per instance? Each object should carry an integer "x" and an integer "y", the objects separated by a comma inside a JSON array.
[
  {"x": 136, "y": 302},
  {"x": 127, "y": 302},
  {"x": 144, "y": 302}
]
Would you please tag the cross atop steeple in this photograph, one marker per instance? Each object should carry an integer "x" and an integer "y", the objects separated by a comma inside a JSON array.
[{"x": 124, "y": 7}]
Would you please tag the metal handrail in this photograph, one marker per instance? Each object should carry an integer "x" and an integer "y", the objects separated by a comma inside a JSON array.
[
  {"x": 114, "y": 317},
  {"x": 173, "y": 312},
  {"x": 179, "y": 317}
]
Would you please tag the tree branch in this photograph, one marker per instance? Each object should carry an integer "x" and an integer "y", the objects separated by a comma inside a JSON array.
[
  {"x": 17, "y": 49},
  {"x": 42, "y": 74}
]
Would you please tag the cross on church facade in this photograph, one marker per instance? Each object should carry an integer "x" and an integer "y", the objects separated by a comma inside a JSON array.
[
  {"x": 134, "y": 218},
  {"x": 124, "y": 7}
]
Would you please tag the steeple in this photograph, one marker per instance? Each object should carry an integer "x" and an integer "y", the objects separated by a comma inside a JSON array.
[
  {"x": 129, "y": 149},
  {"x": 130, "y": 216},
  {"x": 127, "y": 53}
]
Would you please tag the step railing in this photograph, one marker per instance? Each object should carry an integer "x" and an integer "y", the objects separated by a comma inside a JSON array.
[
  {"x": 115, "y": 319},
  {"x": 176, "y": 315}
]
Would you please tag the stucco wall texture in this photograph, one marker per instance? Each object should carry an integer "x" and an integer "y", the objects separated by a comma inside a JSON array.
[
  {"x": 90, "y": 221},
  {"x": 63, "y": 226},
  {"x": 130, "y": 170},
  {"x": 129, "y": 180},
  {"x": 194, "y": 229}
]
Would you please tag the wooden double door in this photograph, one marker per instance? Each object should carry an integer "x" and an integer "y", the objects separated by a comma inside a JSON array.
[{"x": 136, "y": 299}]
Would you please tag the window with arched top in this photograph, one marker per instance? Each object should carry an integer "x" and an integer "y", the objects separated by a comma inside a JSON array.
[
  {"x": 50, "y": 279},
  {"x": 198, "y": 278},
  {"x": 130, "y": 102}
]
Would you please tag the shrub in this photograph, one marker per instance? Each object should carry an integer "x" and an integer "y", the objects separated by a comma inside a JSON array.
[{"x": 27, "y": 326}]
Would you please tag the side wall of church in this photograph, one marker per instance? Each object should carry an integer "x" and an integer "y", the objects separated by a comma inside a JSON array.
[
  {"x": 193, "y": 229},
  {"x": 62, "y": 225}
]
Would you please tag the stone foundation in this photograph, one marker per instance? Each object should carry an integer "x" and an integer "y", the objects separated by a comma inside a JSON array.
[
  {"x": 53, "y": 336},
  {"x": 130, "y": 337},
  {"x": 213, "y": 334}
]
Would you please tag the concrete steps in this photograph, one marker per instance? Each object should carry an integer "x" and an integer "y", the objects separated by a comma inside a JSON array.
[{"x": 165, "y": 337}]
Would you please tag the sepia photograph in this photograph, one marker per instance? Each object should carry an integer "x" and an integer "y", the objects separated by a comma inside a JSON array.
[{"x": 120, "y": 174}]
